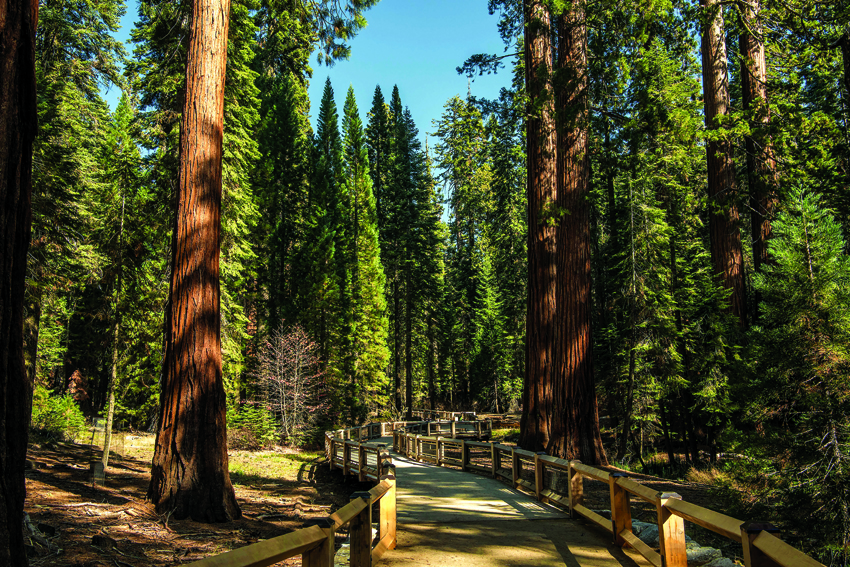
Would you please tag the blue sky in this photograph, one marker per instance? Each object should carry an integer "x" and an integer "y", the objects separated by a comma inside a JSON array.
[{"x": 415, "y": 44}]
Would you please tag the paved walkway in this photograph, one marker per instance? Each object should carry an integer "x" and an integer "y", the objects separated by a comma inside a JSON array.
[{"x": 459, "y": 519}]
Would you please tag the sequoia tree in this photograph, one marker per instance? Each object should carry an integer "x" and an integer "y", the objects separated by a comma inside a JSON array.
[
  {"x": 575, "y": 421},
  {"x": 190, "y": 475},
  {"x": 537, "y": 397},
  {"x": 726, "y": 254},
  {"x": 760, "y": 162},
  {"x": 18, "y": 118}
]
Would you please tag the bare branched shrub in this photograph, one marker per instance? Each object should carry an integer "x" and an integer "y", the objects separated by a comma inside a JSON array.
[{"x": 291, "y": 378}]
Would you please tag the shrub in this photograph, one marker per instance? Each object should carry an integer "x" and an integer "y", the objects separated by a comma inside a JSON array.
[
  {"x": 250, "y": 426},
  {"x": 57, "y": 417}
]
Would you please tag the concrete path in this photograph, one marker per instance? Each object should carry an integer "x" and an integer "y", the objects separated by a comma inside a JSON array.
[{"x": 459, "y": 519}]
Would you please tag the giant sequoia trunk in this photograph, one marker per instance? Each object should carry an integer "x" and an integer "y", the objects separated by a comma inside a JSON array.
[
  {"x": 575, "y": 429},
  {"x": 537, "y": 395},
  {"x": 190, "y": 469},
  {"x": 18, "y": 118},
  {"x": 724, "y": 232},
  {"x": 760, "y": 162}
]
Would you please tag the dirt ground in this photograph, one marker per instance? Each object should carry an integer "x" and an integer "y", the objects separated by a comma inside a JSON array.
[{"x": 82, "y": 524}]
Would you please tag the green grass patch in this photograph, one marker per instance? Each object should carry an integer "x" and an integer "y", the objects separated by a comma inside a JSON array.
[
  {"x": 252, "y": 467},
  {"x": 505, "y": 435}
]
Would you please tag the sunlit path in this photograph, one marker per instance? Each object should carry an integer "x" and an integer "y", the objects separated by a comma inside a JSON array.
[{"x": 450, "y": 517}]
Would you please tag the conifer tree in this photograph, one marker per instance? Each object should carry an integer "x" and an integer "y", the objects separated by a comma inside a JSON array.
[
  {"x": 798, "y": 394},
  {"x": 328, "y": 285},
  {"x": 366, "y": 353}
]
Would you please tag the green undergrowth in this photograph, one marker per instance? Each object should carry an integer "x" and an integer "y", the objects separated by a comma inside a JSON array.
[{"x": 505, "y": 435}]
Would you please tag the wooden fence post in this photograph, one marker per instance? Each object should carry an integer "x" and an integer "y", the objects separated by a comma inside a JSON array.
[
  {"x": 332, "y": 456},
  {"x": 439, "y": 455},
  {"x": 671, "y": 532},
  {"x": 361, "y": 463},
  {"x": 387, "y": 524},
  {"x": 539, "y": 472},
  {"x": 514, "y": 468},
  {"x": 495, "y": 457},
  {"x": 346, "y": 457},
  {"x": 417, "y": 447},
  {"x": 621, "y": 513},
  {"x": 323, "y": 555},
  {"x": 753, "y": 556},
  {"x": 454, "y": 430},
  {"x": 464, "y": 455},
  {"x": 576, "y": 487},
  {"x": 360, "y": 533}
]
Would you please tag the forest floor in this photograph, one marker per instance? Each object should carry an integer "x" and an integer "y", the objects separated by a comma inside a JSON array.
[{"x": 111, "y": 524}]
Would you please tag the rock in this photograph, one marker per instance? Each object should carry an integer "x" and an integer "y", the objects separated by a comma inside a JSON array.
[
  {"x": 722, "y": 562},
  {"x": 638, "y": 526},
  {"x": 703, "y": 555},
  {"x": 649, "y": 535}
]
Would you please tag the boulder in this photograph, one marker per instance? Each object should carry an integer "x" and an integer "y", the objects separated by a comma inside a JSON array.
[{"x": 703, "y": 555}]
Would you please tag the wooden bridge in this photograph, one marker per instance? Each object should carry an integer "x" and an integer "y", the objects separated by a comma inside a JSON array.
[{"x": 432, "y": 509}]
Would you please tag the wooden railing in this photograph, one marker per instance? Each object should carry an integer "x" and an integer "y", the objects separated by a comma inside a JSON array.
[
  {"x": 447, "y": 415},
  {"x": 527, "y": 470},
  {"x": 315, "y": 543}
]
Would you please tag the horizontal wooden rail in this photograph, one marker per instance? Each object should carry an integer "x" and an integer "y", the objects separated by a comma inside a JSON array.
[
  {"x": 349, "y": 450},
  {"x": 315, "y": 544},
  {"x": 761, "y": 548}
]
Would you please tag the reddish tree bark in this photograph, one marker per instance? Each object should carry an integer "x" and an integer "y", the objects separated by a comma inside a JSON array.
[
  {"x": 760, "y": 162},
  {"x": 575, "y": 429},
  {"x": 18, "y": 124},
  {"x": 190, "y": 466},
  {"x": 725, "y": 234},
  {"x": 537, "y": 397}
]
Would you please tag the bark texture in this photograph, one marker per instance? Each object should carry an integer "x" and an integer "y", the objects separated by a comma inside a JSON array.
[
  {"x": 725, "y": 234},
  {"x": 575, "y": 430},
  {"x": 760, "y": 162},
  {"x": 190, "y": 475},
  {"x": 537, "y": 397},
  {"x": 18, "y": 124}
]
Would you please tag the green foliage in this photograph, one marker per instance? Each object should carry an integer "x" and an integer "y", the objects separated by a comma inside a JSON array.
[
  {"x": 56, "y": 416},
  {"x": 250, "y": 426},
  {"x": 799, "y": 394}
]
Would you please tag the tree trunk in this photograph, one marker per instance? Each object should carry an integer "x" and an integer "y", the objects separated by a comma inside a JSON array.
[
  {"x": 18, "y": 124},
  {"x": 575, "y": 432},
  {"x": 408, "y": 344},
  {"x": 432, "y": 361},
  {"x": 113, "y": 374},
  {"x": 760, "y": 162},
  {"x": 537, "y": 394},
  {"x": 189, "y": 477},
  {"x": 726, "y": 254},
  {"x": 399, "y": 401}
]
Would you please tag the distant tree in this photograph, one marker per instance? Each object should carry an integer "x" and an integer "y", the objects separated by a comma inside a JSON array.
[
  {"x": 18, "y": 124},
  {"x": 725, "y": 235},
  {"x": 190, "y": 475},
  {"x": 761, "y": 164},
  {"x": 367, "y": 355}
]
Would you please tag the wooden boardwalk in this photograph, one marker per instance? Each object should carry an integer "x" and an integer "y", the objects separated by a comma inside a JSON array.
[{"x": 458, "y": 519}]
